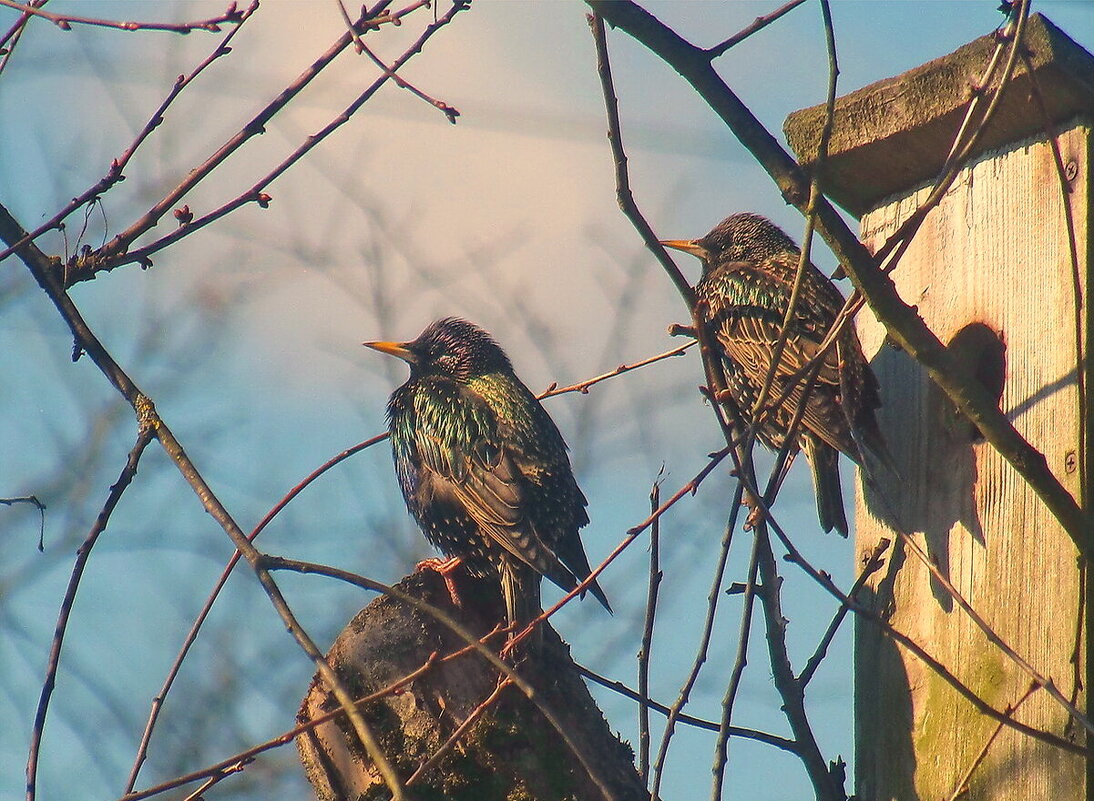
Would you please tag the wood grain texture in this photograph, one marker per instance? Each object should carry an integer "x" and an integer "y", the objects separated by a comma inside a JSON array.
[
  {"x": 995, "y": 254},
  {"x": 893, "y": 134}
]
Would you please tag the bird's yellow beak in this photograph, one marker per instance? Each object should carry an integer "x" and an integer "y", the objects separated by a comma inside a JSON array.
[
  {"x": 399, "y": 349},
  {"x": 691, "y": 246}
]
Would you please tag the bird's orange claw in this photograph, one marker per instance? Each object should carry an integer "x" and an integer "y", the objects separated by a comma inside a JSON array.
[{"x": 444, "y": 567}]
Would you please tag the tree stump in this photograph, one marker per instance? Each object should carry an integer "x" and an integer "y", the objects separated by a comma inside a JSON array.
[{"x": 510, "y": 753}]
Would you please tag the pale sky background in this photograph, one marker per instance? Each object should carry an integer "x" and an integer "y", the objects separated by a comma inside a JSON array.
[{"x": 247, "y": 337}]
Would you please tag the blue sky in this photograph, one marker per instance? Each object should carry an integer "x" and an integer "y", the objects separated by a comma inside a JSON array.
[{"x": 247, "y": 336}]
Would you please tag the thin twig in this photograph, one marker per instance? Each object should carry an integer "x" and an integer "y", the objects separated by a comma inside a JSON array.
[
  {"x": 195, "y": 628},
  {"x": 736, "y": 673},
  {"x": 825, "y": 782},
  {"x": 963, "y": 785},
  {"x": 213, "y": 781},
  {"x": 65, "y": 21},
  {"x": 116, "y": 252},
  {"x": 255, "y": 558},
  {"x": 468, "y": 722},
  {"x": 622, "y": 179},
  {"x": 793, "y": 706},
  {"x": 256, "y": 194},
  {"x": 83, "y": 553},
  {"x": 10, "y": 39},
  {"x": 757, "y": 24},
  {"x": 646, "y": 648},
  {"x": 282, "y": 739},
  {"x": 17, "y": 27},
  {"x": 115, "y": 173},
  {"x": 41, "y": 507},
  {"x": 690, "y": 720},
  {"x": 583, "y": 386},
  {"x": 450, "y": 112},
  {"x": 676, "y": 711},
  {"x": 871, "y": 564},
  {"x": 358, "y": 45}
]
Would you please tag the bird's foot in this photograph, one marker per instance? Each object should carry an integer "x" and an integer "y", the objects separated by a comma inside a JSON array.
[{"x": 444, "y": 567}]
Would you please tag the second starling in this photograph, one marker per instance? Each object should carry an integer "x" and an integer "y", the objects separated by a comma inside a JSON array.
[
  {"x": 482, "y": 467},
  {"x": 749, "y": 266}
]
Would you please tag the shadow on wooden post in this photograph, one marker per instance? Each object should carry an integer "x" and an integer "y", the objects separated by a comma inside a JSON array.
[{"x": 510, "y": 752}]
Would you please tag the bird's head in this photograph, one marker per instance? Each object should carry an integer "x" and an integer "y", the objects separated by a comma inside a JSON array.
[
  {"x": 450, "y": 347},
  {"x": 739, "y": 237}
]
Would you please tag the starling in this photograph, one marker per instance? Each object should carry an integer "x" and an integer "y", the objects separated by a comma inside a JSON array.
[
  {"x": 482, "y": 467},
  {"x": 749, "y": 266}
]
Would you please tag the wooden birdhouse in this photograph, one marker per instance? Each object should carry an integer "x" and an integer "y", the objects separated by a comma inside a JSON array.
[{"x": 1000, "y": 271}]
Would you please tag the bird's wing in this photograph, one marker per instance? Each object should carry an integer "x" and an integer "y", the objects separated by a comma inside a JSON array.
[
  {"x": 746, "y": 306},
  {"x": 463, "y": 455}
]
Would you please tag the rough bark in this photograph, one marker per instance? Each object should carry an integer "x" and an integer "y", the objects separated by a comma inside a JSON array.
[{"x": 511, "y": 752}]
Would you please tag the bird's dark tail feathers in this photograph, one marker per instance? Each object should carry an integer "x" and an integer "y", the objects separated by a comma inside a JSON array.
[
  {"x": 576, "y": 570},
  {"x": 824, "y": 463},
  {"x": 598, "y": 593}
]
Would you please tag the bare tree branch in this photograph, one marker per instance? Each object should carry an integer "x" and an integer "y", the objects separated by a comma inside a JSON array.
[
  {"x": 65, "y": 21},
  {"x": 647, "y": 637},
  {"x": 115, "y": 174},
  {"x": 144, "y": 436},
  {"x": 86, "y": 342},
  {"x": 901, "y": 320},
  {"x": 709, "y": 725},
  {"x": 757, "y": 24}
]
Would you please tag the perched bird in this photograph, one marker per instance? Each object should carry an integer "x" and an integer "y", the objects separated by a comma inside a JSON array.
[
  {"x": 483, "y": 468},
  {"x": 749, "y": 266}
]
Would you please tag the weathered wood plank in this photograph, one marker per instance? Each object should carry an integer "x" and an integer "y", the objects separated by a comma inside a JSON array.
[
  {"x": 895, "y": 133},
  {"x": 994, "y": 253}
]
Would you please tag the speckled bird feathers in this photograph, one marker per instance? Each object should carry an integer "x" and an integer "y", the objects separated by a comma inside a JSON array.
[
  {"x": 745, "y": 302},
  {"x": 468, "y": 458},
  {"x": 749, "y": 269},
  {"x": 483, "y": 468}
]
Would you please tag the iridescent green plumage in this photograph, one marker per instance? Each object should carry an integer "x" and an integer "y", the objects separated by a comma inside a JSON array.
[
  {"x": 483, "y": 468},
  {"x": 749, "y": 267}
]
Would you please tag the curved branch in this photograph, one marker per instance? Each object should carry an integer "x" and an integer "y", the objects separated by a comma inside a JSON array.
[
  {"x": 231, "y": 15},
  {"x": 83, "y": 553},
  {"x": 901, "y": 321},
  {"x": 40, "y": 266},
  {"x": 115, "y": 174}
]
